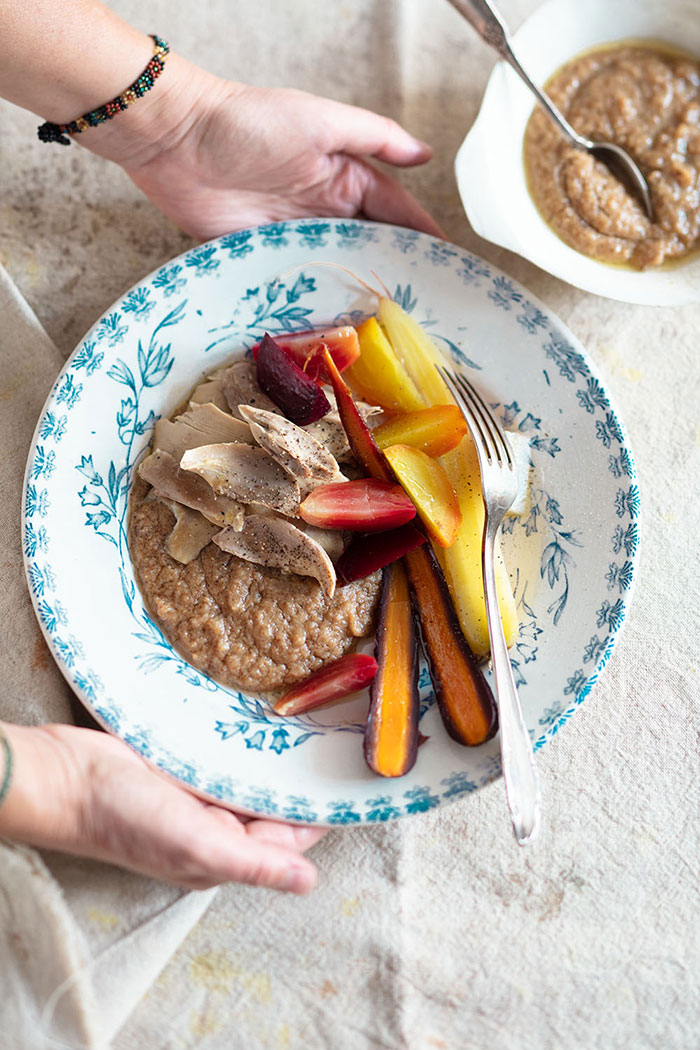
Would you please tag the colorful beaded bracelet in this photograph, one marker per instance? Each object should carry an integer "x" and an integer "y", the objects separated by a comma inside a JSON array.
[{"x": 49, "y": 132}]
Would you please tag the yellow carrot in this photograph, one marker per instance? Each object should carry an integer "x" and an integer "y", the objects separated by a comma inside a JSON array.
[
  {"x": 462, "y": 560},
  {"x": 416, "y": 351},
  {"x": 424, "y": 479},
  {"x": 434, "y": 430},
  {"x": 378, "y": 373}
]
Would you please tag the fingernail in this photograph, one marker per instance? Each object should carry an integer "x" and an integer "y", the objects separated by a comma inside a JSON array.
[
  {"x": 421, "y": 147},
  {"x": 299, "y": 879},
  {"x": 307, "y": 837}
]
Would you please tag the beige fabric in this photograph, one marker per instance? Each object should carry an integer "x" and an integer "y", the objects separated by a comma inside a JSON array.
[
  {"x": 79, "y": 942},
  {"x": 435, "y": 933}
]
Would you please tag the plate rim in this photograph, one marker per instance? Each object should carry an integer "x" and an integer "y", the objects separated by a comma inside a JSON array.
[{"x": 260, "y": 812}]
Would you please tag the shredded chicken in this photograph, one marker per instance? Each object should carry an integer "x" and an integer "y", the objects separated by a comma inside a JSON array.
[
  {"x": 162, "y": 472},
  {"x": 332, "y": 540},
  {"x": 294, "y": 448},
  {"x": 273, "y": 541},
  {"x": 330, "y": 432},
  {"x": 201, "y": 424},
  {"x": 246, "y": 473},
  {"x": 190, "y": 533},
  {"x": 210, "y": 391},
  {"x": 240, "y": 386}
]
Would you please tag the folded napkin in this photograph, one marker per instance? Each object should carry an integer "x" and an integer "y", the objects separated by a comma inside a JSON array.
[{"x": 80, "y": 942}]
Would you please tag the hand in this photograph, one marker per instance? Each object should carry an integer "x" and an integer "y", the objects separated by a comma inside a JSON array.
[
  {"x": 212, "y": 154},
  {"x": 215, "y": 156},
  {"x": 84, "y": 792}
]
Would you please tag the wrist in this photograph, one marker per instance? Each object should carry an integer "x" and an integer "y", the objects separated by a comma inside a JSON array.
[
  {"x": 158, "y": 121},
  {"x": 42, "y": 804}
]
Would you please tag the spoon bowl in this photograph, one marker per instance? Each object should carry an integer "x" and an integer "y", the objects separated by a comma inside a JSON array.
[{"x": 619, "y": 162}]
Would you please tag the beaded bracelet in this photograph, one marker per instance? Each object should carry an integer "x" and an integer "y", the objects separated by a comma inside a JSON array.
[
  {"x": 49, "y": 132},
  {"x": 4, "y": 787}
]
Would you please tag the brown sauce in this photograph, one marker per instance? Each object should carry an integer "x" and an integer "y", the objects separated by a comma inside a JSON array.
[
  {"x": 646, "y": 100},
  {"x": 245, "y": 625}
]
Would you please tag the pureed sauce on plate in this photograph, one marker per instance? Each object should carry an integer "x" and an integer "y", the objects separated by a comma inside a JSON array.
[{"x": 646, "y": 99}]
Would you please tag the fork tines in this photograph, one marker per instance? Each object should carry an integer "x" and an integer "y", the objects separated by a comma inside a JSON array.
[{"x": 484, "y": 426}]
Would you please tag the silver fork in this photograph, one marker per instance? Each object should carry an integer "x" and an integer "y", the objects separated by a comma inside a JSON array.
[{"x": 499, "y": 485}]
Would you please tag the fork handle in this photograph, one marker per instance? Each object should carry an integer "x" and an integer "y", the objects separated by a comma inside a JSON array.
[{"x": 518, "y": 760}]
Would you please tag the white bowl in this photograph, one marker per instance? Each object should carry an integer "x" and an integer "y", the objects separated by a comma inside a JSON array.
[{"x": 489, "y": 165}]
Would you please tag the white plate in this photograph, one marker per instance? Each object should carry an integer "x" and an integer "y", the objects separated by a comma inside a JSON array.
[
  {"x": 489, "y": 165},
  {"x": 574, "y": 551}
]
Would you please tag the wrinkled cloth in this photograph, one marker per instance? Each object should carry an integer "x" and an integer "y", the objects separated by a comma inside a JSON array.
[
  {"x": 435, "y": 932},
  {"x": 79, "y": 941}
]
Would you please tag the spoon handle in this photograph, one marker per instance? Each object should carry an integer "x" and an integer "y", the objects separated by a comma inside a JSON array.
[{"x": 488, "y": 23}]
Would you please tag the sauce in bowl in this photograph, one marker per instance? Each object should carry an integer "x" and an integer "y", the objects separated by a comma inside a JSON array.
[{"x": 647, "y": 100}]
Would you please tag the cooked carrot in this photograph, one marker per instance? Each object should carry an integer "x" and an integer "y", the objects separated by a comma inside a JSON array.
[
  {"x": 391, "y": 735},
  {"x": 426, "y": 482},
  {"x": 363, "y": 446},
  {"x": 464, "y": 697},
  {"x": 434, "y": 431}
]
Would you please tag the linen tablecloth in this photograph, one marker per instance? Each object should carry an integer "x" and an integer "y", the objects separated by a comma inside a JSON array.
[{"x": 436, "y": 932}]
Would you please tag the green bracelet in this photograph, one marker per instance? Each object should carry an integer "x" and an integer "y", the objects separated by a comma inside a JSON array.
[{"x": 4, "y": 787}]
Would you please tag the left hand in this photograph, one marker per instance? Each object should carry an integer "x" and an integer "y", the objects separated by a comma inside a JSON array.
[{"x": 85, "y": 792}]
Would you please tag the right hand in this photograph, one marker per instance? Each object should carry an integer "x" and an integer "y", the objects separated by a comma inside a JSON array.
[{"x": 85, "y": 792}]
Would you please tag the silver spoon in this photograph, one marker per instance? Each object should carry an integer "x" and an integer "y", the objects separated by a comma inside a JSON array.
[{"x": 483, "y": 16}]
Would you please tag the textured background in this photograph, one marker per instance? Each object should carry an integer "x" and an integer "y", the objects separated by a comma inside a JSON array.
[{"x": 437, "y": 932}]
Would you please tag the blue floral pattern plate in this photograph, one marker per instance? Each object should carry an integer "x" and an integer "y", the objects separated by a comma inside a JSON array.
[{"x": 571, "y": 554}]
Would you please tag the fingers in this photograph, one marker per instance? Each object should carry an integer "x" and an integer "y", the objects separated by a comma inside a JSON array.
[
  {"x": 254, "y": 854},
  {"x": 262, "y": 864},
  {"x": 387, "y": 200},
  {"x": 350, "y": 129},
  {"x": 295, "y": 838},
  {"x": 289, "y": 835},
  {"x": 378, "y": 196}
]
